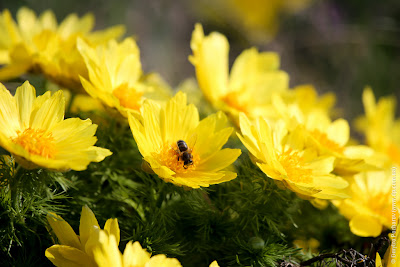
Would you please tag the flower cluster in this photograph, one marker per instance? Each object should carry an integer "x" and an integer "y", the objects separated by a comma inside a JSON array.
[
  {"x": 99, "y": 247},
  {"x": 291, "y": 134}
]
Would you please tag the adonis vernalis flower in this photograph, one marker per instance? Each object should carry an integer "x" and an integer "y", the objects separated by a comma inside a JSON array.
[
  {"x": 159, "y": 130},
  {"x": 75, "y": 250},
  {"x": 34, "y": 131},
  {"x": 253, "y": 79},
  {"x": 370, "y": 208},
  {"x": 328, "y": 137},
  {"x": 107, "y": 254},
  {"x": 116, "y": 77},
  {"x": 381, "y": 128},
  {"x": 97, "y": 247},
  {"x": 282, "y": 156},
  {"x": 41, "y": 44}
]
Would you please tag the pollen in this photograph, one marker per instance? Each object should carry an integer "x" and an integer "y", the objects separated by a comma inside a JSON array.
[
  {"x": 169, "y": 157},
  {"x": 323, "y": 139},
  {"x": 36, "y": 142},
  {"x": 293, "y": 163},
  {"x": 128, "y": 97}
]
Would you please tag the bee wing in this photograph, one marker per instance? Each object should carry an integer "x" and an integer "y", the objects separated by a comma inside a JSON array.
[{"x": 192, "y": 141}]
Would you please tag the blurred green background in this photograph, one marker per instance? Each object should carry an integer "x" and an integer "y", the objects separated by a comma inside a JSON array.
[{"x": 338, "y": 46}]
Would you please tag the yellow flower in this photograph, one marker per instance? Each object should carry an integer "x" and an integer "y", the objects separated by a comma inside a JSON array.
[
  {"x": 253, "y": 79},
  {"x": 116, "y": 77},
  {"x": 41, "y": 44},
  {"x": 214, "y": 264},
  {"x": 34, "y": 131},
  {"x": 282, "y": 155},
  {"x": 307, "y": 99},
  {"x": 255, "y": 19},
  {"x": 78, "y": 250},
  {"x": 370, "y": 208},
  {"x": 159, "y": 130},
  {"x": 381, "y": 129},
  {"x": 81, "y": 102},
  {"x": 330, "y": 138},
  {"x": 107, "y": 254},
  {"x": 310, "y": 245}
]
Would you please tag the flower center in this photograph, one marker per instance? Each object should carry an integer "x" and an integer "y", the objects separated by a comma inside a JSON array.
[
  {"x": 293, "y": 163},
  {"x": 381, "y": 204},
  {"x": 36, "y": 142},
  {"x": 234, "y": 100},
  {"x": 323, "y": 139},
  {"x": 169, "y": 156},
  {"x": 128, "y": 97}
]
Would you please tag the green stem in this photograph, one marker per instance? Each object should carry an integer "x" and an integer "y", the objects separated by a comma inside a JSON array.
[{"x": 14, "y": 186}]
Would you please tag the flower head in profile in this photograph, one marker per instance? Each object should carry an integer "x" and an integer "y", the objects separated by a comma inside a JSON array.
[
  {"x": 329, "y": 138},
  {"x": 75, "y": 250},
  {"x": 157, "y": 135},
  {"x": 95, "y": 247},
  {"x": 369, "y": 208},
  {"x": 248, "y": 88},
  {"x": 381, "y": 128},
  {"x": 40, "y": 44},
  {"x": 283, "y": 156},
  {"x": 34, "y": 131},
  {"x": 116, "y": 77},
  {"x": 107, "y": 254}
]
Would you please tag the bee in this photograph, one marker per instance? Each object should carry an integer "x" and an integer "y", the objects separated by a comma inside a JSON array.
[{"x": 185, "y": 153}]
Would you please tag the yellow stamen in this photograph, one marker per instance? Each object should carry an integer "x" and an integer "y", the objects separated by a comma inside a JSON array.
[
  {"x": 128, "y": 97},
  {"x": 169, "y": 157},
  {"x": 323, "y": 139},
  {"x": 36, "y": 142},
  {"x": 235, "y": 100},
  {"x": 293, "y": 163}
]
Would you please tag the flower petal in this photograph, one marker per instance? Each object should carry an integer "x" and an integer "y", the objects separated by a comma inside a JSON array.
[
  {"x": 61, "y": 255},
  {"x": 87, "y": 222},
  {"x": 63, "y": 231},
  {"x": 363, "y": 225}
]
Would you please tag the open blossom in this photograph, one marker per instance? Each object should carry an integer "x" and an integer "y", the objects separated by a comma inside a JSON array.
[
  {"x": 248, "y": 88},
  {"x": 370, "y": 206},
  {"x": 116, "y": 77},
  {"x": 34, "y": 131},
  {"x": 328, "y": 137},
  {"x": 282, "y": 155},
  {"x": 107, "y": 254},
  {"x": 95, "y": 247},
  {"x": 75, "y": 250},
  {"x": 159, "y": 130},
  {"x": 40, "y": 44}
]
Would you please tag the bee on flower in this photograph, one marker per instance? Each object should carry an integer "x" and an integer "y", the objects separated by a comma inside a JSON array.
[
  {"x": 34, "y": 131},
  {"x": 163, "y": 135}
]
